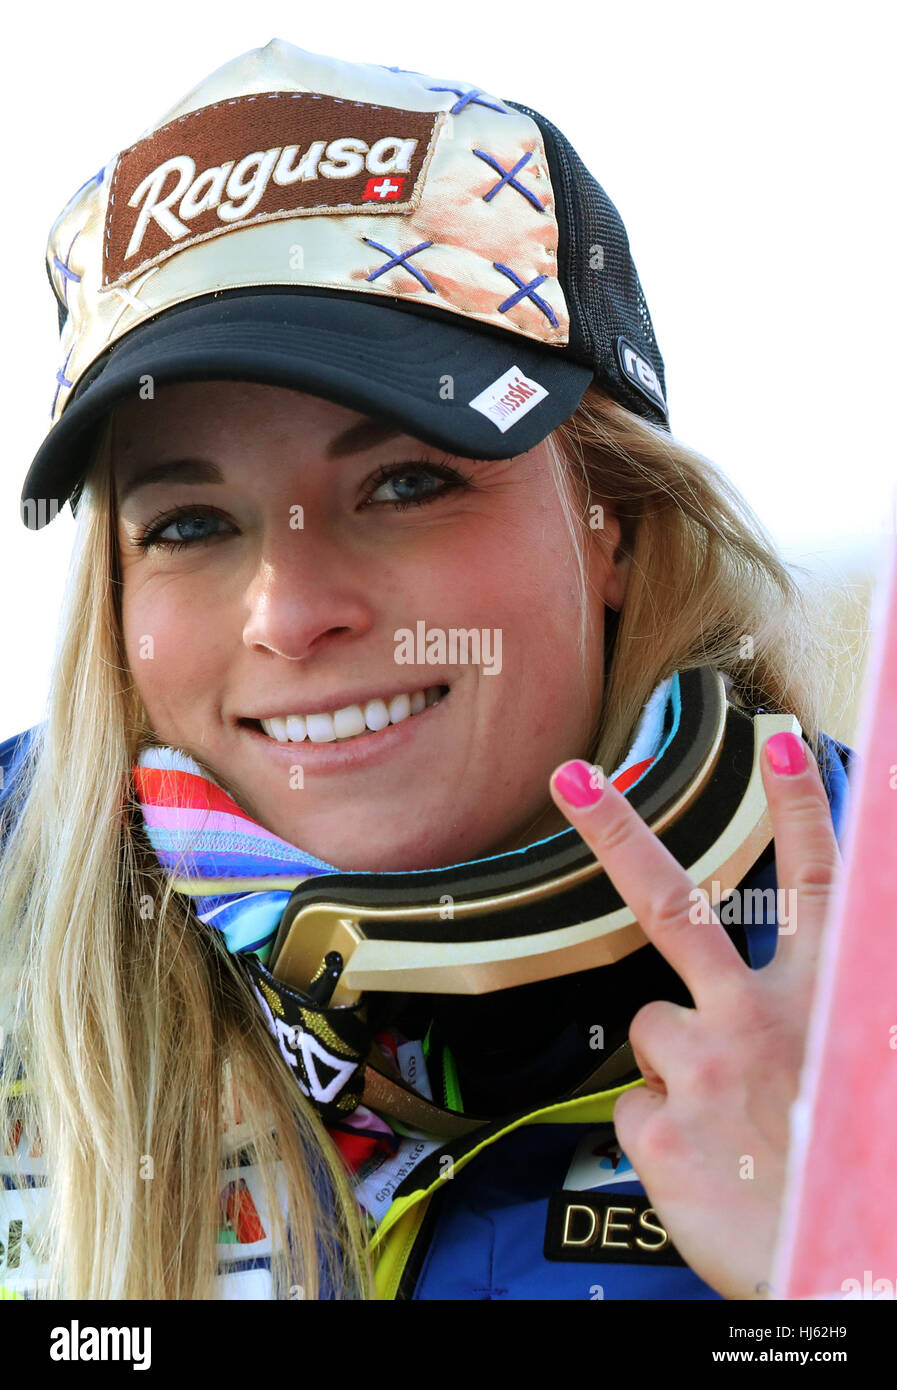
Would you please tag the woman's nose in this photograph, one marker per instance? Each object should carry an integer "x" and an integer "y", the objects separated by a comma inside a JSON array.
[{"x": 306, "y": 591}]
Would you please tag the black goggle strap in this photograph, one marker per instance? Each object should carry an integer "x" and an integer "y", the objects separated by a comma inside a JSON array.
[
  {"x": 325, "y": 1046},
  {"x": 333, "y": 1058},
  {"x": 336, "y": 1065}
]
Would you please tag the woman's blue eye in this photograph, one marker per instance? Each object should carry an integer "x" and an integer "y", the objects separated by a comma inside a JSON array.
[
  {"x": 190, "y": 522},
  {"x": 154, "y": 535},
  {"x": 416, "y": 483}
]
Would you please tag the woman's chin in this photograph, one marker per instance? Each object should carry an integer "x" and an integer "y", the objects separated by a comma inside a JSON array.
[{"x": 377, "y": 843}]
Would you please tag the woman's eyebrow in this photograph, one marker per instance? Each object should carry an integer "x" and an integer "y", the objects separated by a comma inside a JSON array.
[
  {"x": 183, "y": 470},
  {"x": 364, "y": 435}
]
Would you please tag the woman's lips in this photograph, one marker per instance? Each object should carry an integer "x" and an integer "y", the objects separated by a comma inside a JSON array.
[{"x": 366, "y": 750}]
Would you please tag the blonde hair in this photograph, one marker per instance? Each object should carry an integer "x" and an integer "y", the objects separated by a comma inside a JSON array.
[
  {"x": 136, "y": 1035},
  {"x": 706, "y": 585}
]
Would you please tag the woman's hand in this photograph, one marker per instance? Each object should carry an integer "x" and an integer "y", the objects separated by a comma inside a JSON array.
[{"x": 708, "y": 1133}]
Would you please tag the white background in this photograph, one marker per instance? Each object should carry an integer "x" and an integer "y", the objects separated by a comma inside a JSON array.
[{"x": 749, "y": 150}]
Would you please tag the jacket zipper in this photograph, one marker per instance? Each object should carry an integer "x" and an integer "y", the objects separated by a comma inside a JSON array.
[
  {"x": 418, "y": 1253},
  {"x": 450, "y": 1087}
]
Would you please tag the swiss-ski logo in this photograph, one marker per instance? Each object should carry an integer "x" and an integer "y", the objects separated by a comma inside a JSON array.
[{"x": 509, "y": 398}]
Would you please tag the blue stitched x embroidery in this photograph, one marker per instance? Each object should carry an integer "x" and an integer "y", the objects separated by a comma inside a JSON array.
[
  {"x": 508, "y": 178},
  {"x": 467, "y": 97},
  {"x": 67, "y": 272},
  {"x": 61, "y": 379},
  {"x": 525, "y": 290},
  {"x": 401, "y": 260}
]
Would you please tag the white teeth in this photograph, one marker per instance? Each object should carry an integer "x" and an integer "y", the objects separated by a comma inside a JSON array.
[
  {"x": 376, "y": 715},
  {"x": 351, "y": 721},
  {"x": 320, "y": 728},
  {"x": 399, "y": 708}
]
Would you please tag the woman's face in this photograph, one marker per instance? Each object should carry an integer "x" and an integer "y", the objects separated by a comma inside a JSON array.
[{"x": 303, "y": 554}]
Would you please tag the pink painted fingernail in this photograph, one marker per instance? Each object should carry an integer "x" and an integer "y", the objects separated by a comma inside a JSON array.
[
  {"x": 786, "y": 753},
  {"x": 580, "y": 783}
]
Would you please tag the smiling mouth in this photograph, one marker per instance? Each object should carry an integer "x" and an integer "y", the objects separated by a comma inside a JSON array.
[{"x": 350, "y": 724}]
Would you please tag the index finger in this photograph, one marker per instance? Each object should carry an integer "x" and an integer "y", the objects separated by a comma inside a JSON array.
[
  {"x": 650, "y": 880},
  {"x": 807, "y": 857}
]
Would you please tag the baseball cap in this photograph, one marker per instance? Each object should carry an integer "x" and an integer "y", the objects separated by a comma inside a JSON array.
[{"x": 410, "y": 246}]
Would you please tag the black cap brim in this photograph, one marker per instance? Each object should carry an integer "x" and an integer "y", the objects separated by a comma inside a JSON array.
[{"x": 417, "y": 370}]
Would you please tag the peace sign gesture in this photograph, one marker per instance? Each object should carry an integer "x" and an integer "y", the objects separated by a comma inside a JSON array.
[{"x": 708, "y": 1133}]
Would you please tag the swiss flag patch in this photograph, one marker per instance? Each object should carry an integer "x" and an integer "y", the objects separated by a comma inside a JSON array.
[{"x": 384, "y": 187}]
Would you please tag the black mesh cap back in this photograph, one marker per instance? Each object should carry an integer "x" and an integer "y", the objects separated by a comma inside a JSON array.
[{"x": 599, "y": 279}]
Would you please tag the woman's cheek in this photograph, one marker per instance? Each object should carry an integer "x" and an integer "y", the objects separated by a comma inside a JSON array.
[
  {"x": 137, "y": 627},
  {"x": 144, "y": 647},
  {"x": 159, "y": 631}
]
